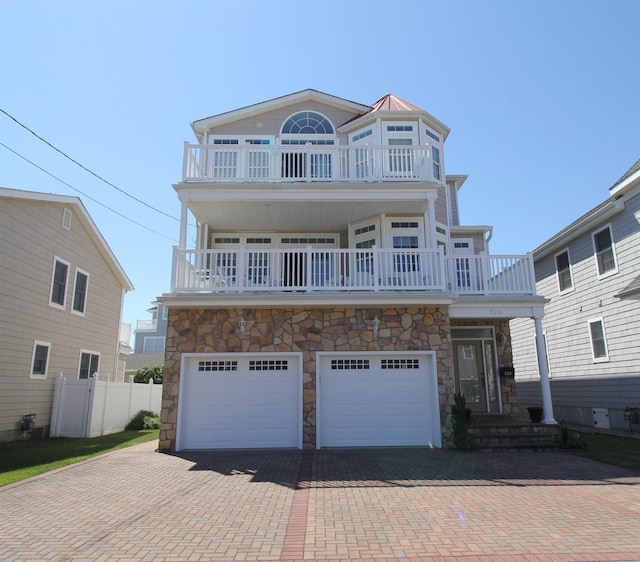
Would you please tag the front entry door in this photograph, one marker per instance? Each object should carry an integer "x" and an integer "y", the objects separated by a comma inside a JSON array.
[{"x": 470, "y": 375}]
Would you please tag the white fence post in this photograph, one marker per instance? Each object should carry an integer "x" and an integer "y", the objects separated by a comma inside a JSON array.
[
  {"x": 58, "y": 400},
  {"x": 91, "y": 389},
  {"x": 104, "y": 405},
  {"x": 150, "y": 408},
  {"x": 131, "y": 383}
]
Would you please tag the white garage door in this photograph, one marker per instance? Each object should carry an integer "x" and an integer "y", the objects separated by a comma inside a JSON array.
[
  {"x": 240, "y": 402},
  {"x": 378, "y": 400}
]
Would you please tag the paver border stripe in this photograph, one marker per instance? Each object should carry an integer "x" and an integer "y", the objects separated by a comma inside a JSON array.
[{"x": 293, "y": 546}]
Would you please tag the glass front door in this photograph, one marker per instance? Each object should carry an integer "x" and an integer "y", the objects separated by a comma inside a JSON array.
[
  {"x": 476, "y": 374},
  {"x": 470, "y": 374}
]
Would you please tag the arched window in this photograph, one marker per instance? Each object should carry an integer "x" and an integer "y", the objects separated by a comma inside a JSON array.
[
  {"x": 307, "y": 129},
  {"x": 307, "y": 123}
]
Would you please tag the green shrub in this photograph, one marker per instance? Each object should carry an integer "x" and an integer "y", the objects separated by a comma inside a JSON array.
[
  {"x": 144, "y": 419},
  {"x": 145, "y": 373},
  {"x": 460, "y": 420}
]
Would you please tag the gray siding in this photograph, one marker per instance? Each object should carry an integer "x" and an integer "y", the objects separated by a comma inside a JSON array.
[
  {"x": 31, "y": 234},
  {"x": 160, "y": 331},
  {"x": 578, "y": 382}
]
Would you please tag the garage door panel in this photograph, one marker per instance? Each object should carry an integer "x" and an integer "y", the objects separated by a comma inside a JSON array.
[
  {"x": 251, "y": 406},
  {"x": 413, "y": 411},
  {"x": 383, "y": 400},
  {"x": 348, "y": 410}
]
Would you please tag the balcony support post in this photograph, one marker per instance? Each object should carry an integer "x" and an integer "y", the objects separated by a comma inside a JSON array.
[
  {"x": 309, "y": 271},
  {"x": 430, "y": 219},
  {"x": 184, "y": 217},
  {"x": 545, "y": 387},
  {"x": 240, "y": 269},
  {"x": 378, "y": 267}
]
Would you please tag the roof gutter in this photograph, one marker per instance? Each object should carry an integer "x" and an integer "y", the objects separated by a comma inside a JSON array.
[{"x": 611, "y": 208}]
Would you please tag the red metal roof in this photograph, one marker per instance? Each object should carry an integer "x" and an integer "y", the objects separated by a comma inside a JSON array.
[{"x": 393, "y": 103}]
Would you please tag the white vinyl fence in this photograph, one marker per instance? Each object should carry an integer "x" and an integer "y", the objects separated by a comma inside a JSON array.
[{"x": 92, "y": 407}]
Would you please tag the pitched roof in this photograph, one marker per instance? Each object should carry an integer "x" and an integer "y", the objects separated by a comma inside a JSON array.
[
  {"x": 135, "y": 361},
  {"x": 281, "y": 101},
  {"x": 631, "y": 291},
  {"x": 86, "y": 219},
  {"x": 393, "y": 103},
  {"x": 627, "y": 174}
]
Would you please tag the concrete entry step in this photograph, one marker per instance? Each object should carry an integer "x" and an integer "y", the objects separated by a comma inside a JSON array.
[{"x": 504, "y": 433}]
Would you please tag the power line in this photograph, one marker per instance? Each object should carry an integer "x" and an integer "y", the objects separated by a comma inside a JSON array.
[
  {"x": 86, "y": 169},
  {"x": 87, "y": 196}
]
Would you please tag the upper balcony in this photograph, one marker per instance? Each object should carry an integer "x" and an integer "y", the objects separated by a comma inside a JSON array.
[
  {"x": 310, "y": 163},
  {"x": 146, "y": 325},
  {"x": 371, "y": 270}
]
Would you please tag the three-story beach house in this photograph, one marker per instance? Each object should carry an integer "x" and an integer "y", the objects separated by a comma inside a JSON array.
[{"x": 332, "y": 297}]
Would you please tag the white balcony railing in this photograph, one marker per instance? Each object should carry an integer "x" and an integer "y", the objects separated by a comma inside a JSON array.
[
  {"x": 374, "y": 269},
  {"x": 258, "y": 163},
  {"x": 146, "y": 325}
]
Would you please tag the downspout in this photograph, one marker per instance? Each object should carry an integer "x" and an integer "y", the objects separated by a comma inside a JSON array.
[
  {"x": 486, "y": 242},
  {"x": 117, "y": 358}
]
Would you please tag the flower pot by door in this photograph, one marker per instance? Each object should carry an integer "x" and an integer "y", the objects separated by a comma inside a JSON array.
[{"x": 535, "y": 413}]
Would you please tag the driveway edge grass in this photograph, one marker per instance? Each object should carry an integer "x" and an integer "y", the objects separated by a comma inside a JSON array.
[{"x": 21, "y": 461}]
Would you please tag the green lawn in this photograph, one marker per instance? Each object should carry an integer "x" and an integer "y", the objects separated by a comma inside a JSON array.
[
  {"x": 24, "y": 459},
  {"x": 619, "y": 451}
]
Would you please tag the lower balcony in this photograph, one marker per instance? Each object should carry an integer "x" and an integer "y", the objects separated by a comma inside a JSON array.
[{"x": 307, "y": 270}]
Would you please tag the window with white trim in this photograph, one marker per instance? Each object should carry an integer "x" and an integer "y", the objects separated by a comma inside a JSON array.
[
  {"x": 432, "y": 135},
  {"x": 153, "y": 344},
  {"x": 40, "y": 360},
  {"x": 563, "y": 270},
  {"x": 66, "y": 219},
  {"x": 604, "y": 251},
  {"x": 435, "y": 156},
  {"x": 307, "y": 123},
  {"x": 598, "y": 340},
  {"x": 89, "y": 364},
  {"x": 80, "y": 292},
  {"x": 59, "y": 283}
]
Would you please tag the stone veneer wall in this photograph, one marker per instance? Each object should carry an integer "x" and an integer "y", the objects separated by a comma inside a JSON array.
[{"x": 305, "y": 330}]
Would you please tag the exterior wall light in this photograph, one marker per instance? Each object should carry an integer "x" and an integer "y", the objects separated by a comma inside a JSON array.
[{"x": 243, "y": 325}]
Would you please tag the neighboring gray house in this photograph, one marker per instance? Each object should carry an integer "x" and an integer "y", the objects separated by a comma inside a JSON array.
[
  {"x": 136, "y": 361},
  {"x": 61, "y": 292},
  {"x": 590, "y": 274},
  {"x": 150, "y": 335}
]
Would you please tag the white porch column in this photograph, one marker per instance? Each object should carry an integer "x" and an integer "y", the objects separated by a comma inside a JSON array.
[
  {"x": 184, "y": 217},
  {"x": 545, "y": 387},
  {"x": 430, "y": 218}
]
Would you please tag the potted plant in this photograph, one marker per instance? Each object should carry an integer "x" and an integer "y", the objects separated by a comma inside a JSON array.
[
  {"x": 535, "y": 413},
  {"x": 460, "y": 421}
]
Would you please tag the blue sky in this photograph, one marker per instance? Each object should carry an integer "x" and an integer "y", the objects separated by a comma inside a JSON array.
[{"x": 542, "y": 98}]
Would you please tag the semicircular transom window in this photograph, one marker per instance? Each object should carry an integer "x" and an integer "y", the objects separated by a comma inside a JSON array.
[{"x": 307, "y": 123}]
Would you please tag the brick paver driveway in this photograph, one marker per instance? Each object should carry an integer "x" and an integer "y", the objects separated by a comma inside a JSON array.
[{"x": 376, "y": 504}]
